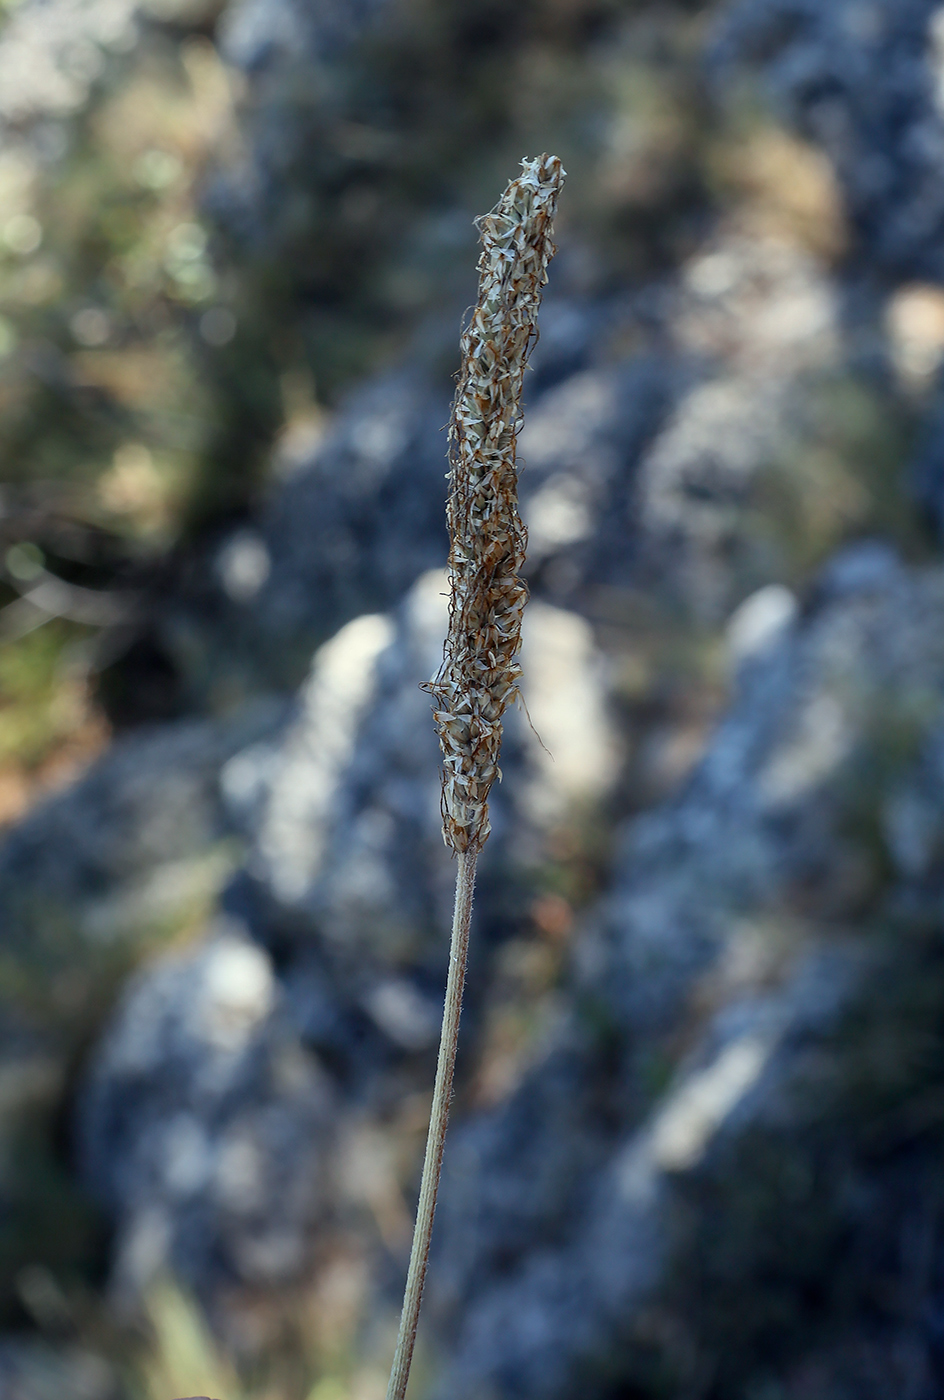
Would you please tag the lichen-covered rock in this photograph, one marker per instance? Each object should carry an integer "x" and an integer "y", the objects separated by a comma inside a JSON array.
[{"x": 736, "y": 1120}]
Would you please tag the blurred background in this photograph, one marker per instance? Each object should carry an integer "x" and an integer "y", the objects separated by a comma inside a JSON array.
[{"x": 698, "y": 1137}]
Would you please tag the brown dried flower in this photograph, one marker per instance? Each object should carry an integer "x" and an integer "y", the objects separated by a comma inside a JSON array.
[{"x": 480, "y": 671}]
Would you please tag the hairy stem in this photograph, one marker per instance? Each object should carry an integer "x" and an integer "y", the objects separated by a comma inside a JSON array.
[{"x": 438, "y": 1120}]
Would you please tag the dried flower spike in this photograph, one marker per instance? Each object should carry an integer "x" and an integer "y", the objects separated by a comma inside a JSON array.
[{"x": 480, "y": 671}]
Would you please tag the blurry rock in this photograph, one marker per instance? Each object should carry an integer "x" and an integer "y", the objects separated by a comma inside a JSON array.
[
  {"x": 759, "y": 621},
  {"x": 35, "y": 1370},
  {"x": 762, "y": 464},
  {"x": 208, "y": 1125},
  {"x": 615, "y": 491},
  {"x": 863, "y": 81},
  {"x": 236, "y": 1080},
  {"x": 927, "y": 467},
  {"x": 581, "y": 444},
  {"x": 735, "y": 1124},
  {"x": 645, "y": 470},
  {"x": 736, "y": 447},
  {"x": 353, "y": 527},
  {"x": 258, "y": 35},
  {"x": 278, "y": 45}
]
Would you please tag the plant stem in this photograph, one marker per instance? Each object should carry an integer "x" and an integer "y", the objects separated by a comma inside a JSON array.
[{"x": 438, "y": 1120}]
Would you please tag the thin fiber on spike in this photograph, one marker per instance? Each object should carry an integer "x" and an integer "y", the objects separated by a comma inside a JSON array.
[{"x": 480, "y": 671}]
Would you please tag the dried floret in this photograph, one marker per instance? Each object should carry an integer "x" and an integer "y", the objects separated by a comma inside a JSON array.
[{"x": 480, "y": 671}]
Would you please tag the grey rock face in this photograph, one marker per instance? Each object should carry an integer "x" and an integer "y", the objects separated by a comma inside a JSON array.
[
  {"x": 641, "y": 472},
  {"x": 354, "y": 528},
  {"x": 284, "y": 48},
  {"x": 207, "y": 1114},
  {"x": 764, "y": 930},
  {"x": 236, "y": 1076},
  {"x": 863, "y": 81},
  {"x": 256, "y": 34},
  {"x": 581, "y": 444}
]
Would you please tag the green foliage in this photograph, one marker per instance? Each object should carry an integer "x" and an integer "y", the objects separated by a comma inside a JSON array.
[
  {"x": 39, "y": 701},
  {"x": 107, "y": 383},
  {"x": 182, "y": 1356}
]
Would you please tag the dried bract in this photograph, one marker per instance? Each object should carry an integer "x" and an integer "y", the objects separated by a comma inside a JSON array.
[{"x": 480, "y": 671}]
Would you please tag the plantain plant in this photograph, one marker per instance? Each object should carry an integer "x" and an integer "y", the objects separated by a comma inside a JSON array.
[{"x": 480, "y": 672}]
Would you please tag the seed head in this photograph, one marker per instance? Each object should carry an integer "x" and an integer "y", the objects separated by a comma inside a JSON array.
[{"x": 480, "y": 671}]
